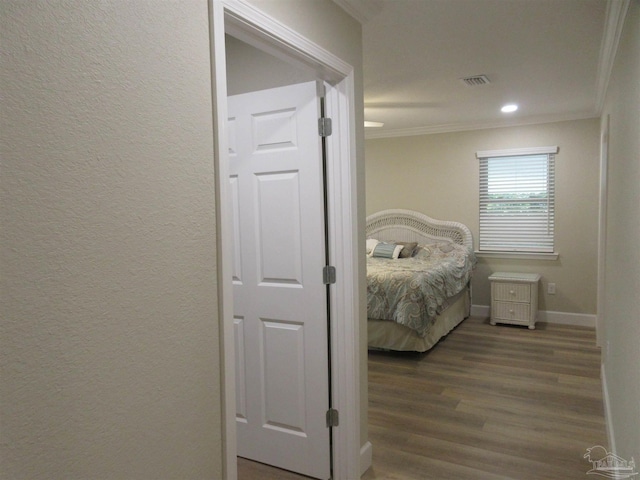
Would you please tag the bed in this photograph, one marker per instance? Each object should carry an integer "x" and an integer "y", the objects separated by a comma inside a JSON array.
[{"x": 413, "y": 301}]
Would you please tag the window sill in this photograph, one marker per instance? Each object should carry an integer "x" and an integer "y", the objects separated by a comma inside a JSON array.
[{"x": 519, "y": 255}]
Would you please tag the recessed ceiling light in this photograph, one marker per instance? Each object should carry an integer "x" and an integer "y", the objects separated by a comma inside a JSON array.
[
  {"x": 509, "y": 108},
  {"x": 368, "y": 124}
]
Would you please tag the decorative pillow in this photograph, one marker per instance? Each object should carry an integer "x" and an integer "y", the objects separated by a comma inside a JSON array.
[
  {"x": 409, "y": 248},
  {"x": 387, "y": 250},
  {"x": 371, "y": 244}
]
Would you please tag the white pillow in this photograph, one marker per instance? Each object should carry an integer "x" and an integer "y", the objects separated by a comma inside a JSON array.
[{"x": 371, "y": 244}]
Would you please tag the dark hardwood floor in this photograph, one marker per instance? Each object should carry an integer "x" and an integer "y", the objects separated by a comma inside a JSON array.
[{"x": 486, "y": 403}]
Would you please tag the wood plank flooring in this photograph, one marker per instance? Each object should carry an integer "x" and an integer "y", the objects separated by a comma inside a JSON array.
[{"x": 487, "y": 403}]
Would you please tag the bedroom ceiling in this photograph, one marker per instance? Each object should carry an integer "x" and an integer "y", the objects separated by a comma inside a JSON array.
[{"x": 544, "y": 55}]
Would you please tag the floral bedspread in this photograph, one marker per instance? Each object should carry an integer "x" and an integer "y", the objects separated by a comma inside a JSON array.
[{"x": 412, "y": 291}]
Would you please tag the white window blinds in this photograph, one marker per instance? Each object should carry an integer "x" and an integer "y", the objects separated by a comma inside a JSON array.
[{"x": 517, "y": 200}]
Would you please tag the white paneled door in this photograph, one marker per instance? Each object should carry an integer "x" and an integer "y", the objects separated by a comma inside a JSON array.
[{"x": 280, "y": 300}]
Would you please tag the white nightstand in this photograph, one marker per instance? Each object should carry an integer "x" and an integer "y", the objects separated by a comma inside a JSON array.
[{"x": 514, "y": 298}]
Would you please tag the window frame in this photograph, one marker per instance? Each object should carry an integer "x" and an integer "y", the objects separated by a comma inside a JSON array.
[{"x": 550, "y": 151}]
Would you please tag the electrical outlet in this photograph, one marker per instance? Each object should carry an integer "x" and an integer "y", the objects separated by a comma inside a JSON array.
[{"x": 551, "y": 288}]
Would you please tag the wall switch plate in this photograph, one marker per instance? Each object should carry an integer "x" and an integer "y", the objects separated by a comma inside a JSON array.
[{"x": 551, "y": 288}]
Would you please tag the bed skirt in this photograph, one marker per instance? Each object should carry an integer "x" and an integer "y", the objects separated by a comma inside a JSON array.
[{"x": 387, "y": 335}]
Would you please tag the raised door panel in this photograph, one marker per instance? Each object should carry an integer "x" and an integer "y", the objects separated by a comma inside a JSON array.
[{"x": 279, "y": 236}]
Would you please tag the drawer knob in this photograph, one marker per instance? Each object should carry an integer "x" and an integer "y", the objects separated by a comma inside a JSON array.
[
  {"x": 511, "y": 292},
  {"x": 511, "y": 311}
]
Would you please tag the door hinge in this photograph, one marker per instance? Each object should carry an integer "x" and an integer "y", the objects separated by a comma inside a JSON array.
[
  {"x": 324, "y": 127},
  {"x": 332, "y": 418},
  {"x": 329, "y": 275}
]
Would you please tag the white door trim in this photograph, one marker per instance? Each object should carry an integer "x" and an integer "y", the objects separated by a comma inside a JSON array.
[
  {"x": 253, "y": 26},
  {"x": 344, "y": 307},
  {"x": 223, "y": 239},
  {"x": 602, "y": 231}
]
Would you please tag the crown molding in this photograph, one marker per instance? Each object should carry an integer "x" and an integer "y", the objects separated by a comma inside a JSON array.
[
  {"x": 614, "y": 22},
  {"x": 361, "y": 10},
  {"x": 463, "y": 127}
]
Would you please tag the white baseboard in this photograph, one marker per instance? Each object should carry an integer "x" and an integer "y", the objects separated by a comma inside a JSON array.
[
  {"x": 608, "y": 421},
  {"x": 480, "y": 310},
  {"x": 548, "y": 316},
  {"x": 366, "y": 457},
  {"x": 565, "y": 318}
]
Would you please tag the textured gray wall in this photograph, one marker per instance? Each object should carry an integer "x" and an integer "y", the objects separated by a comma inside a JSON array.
[{"x": 109, "y": 342}]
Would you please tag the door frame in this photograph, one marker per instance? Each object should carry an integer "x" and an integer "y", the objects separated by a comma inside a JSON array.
[
  {"x": 602, "y": 233},
  {"x": 251, "y": 25}
]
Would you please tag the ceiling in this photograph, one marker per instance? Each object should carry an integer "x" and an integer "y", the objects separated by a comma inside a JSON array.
[{"x": 544, "y": 55}]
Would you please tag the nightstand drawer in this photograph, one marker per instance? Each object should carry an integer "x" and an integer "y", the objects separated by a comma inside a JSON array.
[
  {"x": 512, "y": 292},
  {"x": 513, "y": 312}
]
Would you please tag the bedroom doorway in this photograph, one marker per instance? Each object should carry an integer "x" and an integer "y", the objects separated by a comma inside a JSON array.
[{"x": 244, "y": 22}]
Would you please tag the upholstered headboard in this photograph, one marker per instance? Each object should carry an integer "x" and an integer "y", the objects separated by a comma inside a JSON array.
[{"x": 409, "y": 226}]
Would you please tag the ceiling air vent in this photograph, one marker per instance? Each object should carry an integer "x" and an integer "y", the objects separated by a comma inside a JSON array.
[{"x": 475, "y": 81}]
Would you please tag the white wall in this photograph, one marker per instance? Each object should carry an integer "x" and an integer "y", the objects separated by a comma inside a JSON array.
[
  {"x": 250, "y": 69},
  {"x": 109, "y": 343},
  {"x": 621, "y": 352},
  {"x": 438, "y": 175}
]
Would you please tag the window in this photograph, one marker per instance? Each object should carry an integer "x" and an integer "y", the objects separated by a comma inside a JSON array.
[{"x": 517, "y": 196}]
